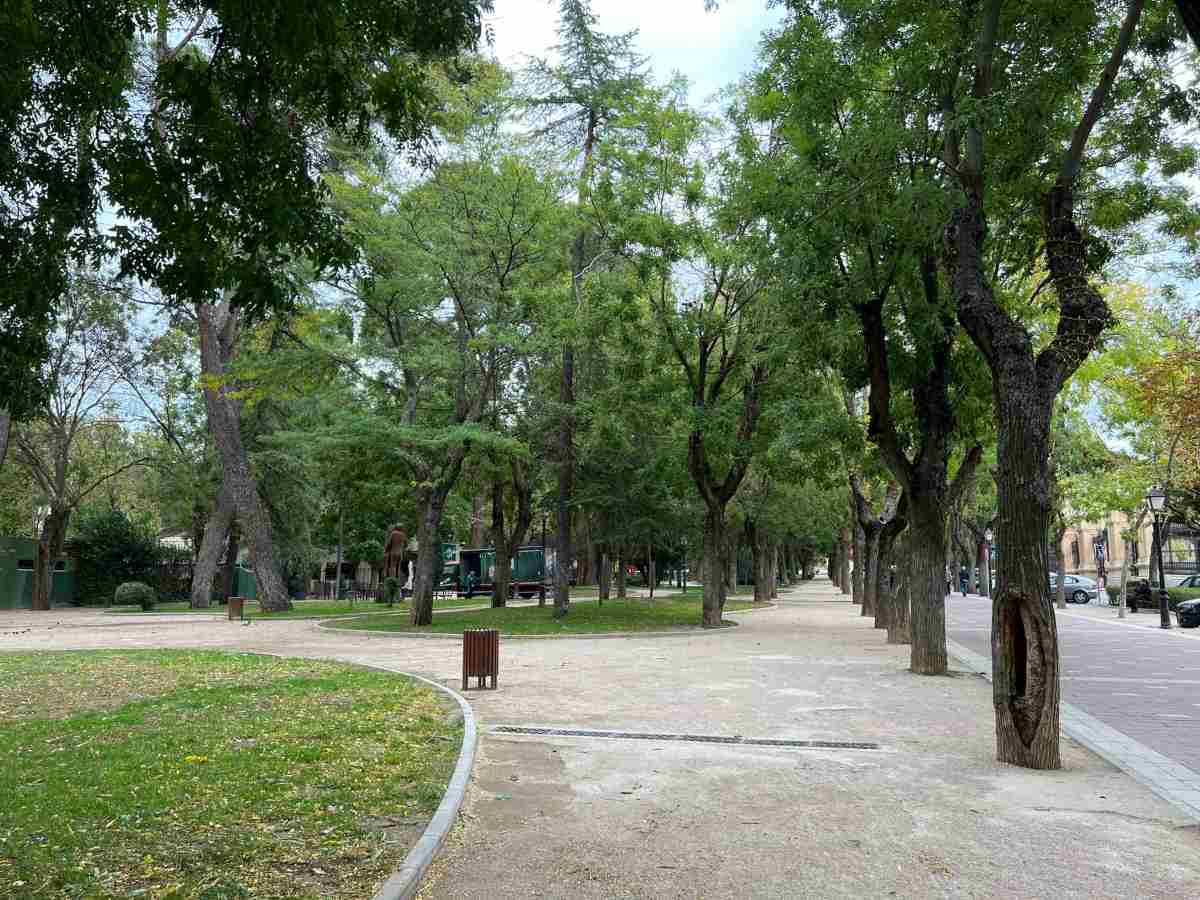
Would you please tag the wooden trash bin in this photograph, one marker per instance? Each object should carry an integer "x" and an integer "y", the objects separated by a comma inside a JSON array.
[
  {"x": 235, "y": 607},
  {"x": 481, "y": 655}
]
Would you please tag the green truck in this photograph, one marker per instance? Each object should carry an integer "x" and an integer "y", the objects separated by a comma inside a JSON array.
[{"x": 476, "y": 572}]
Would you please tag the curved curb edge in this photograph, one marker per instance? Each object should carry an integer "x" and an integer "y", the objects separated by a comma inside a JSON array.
[{"x": 404, "y": 882}]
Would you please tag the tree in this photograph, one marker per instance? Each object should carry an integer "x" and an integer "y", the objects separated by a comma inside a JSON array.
[
  {"x": 578, "y": 97},
  {"x": 239, "y": 93},
  {"x": 660, "y": 213},
  {"x": 454, "y": 270},
  {"x": 86, "y": 367},
  {"x": 114, "y": 549},
  {"x": 842, "y": 127}
]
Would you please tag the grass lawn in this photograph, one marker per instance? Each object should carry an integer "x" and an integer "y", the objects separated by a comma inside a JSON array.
[
  {"x": 302, "y": 609},
  {"x": 188, "y": 774},
  {"x": 661, "y": 614}
]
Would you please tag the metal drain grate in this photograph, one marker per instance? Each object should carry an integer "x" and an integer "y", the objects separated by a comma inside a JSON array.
[{"x": 692, "y": 738}]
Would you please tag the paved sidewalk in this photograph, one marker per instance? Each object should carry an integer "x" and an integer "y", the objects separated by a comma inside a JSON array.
[{"x": 928, "y": 814}]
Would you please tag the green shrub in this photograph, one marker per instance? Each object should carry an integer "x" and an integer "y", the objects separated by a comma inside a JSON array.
[
  {"x": 114, "y": 549},
  {"x": 1177, "y": 594},
  {"x": 135, "y": 593}
]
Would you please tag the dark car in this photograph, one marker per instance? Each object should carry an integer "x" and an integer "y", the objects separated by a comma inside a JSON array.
[{"x": 1187, "y": 613}]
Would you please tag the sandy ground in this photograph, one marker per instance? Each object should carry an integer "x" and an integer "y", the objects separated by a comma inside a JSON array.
[{"x": 929, "y": 814}]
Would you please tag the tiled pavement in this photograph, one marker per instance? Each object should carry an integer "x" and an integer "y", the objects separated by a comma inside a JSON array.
[{"x": 1129, "y": 693}]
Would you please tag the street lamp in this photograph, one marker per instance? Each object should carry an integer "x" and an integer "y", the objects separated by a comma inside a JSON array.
[
  {"x": 1156, "y": 499},
  {"x": 987, "y": 563}
]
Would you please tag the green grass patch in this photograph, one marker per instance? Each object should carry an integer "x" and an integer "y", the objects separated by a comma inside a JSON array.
[
  {"x": 661, "y": 614},
  {"x": 187, "y": 774},
  {"x": 303, "y": 609}
]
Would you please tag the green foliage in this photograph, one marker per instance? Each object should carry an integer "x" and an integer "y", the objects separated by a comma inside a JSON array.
[
  {"x": 113, "y": 549},
  {"x": 1177, "y": 595},
  {"x": 135, "y": 593}
]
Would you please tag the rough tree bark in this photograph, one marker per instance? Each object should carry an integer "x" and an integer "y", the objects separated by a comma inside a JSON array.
[
  {"x": 218, "y": 327},
  {"x": 622, "y": 576},
  {"x": 5, "y": 429},
  {"x": 892, "y": 528},
  {"x": 924, "y": 476},
  {"x": 229, "y": 575},
  {"x": 604, "y": 579},
  {"x": 505, "y": 543},
  {"x": 898, "y": 621},
  {"x": 860, "y": 551},
  {"x": 844, "y": 561},
  {"x": 211, "y": 545},
  {"x": 1025, "y": 663},
  {"x": 50, "y": 542}
]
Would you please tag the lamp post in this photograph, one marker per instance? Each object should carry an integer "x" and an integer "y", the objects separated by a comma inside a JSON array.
[
  {"x": 1157, "y": 501},
  {"x": 987, "y": 558}
]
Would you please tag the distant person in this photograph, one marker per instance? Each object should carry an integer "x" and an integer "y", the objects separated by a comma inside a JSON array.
[
  {"x": 949, "y": 580},
  {"x": 963, "y": 578}
]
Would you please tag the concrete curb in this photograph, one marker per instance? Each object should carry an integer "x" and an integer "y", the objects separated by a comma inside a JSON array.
[
  {"x": 403, "y": 883},
  {"x": 604, "y": 635},
  {"x": 327, "y": 624},
  {"x": 1176, "y": 784}
]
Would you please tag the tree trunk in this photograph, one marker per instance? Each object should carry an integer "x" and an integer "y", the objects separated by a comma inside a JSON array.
[
  {"x": 622, "y": 577},
  {"x": 651, "y": 571},
  {"x": 730, "y": 556},
  {"x": 985, "y": 570},
  {"x": 773, "y": 578},
  {"x": 927, "y": 589},
  {"x": 714, "y": 563},
  {"x": 604, "y": 579},
  {"x": 478, "y": 526},
  {"x": 5, "y": 431},
  {"x": 756, "y": 538},
  {"x": 218, "y": 330},
  {"x": 898, "y": 631},
  {"x": 1025, "y": 665},
  {"x": 870, "y": 572},
  {"x": 844, "y": 561},
  {"x": 566, "y": 475},
  {"x": 49, "y": 548},
  {"x": 229, "y": 575},
  {"x": 500, "y": 585},
  {"x": 211, "y": 545},
  {"x": 428, "y": 547},
  {"x": 860, "y": 553},
  {"x": 883, "y": 592}
]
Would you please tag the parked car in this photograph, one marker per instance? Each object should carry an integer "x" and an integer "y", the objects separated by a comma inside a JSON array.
[
  {"x": 1078, "y": 588},
  {"x": 1192, "y": 581},
  {"x": 1187, "y": 613}
]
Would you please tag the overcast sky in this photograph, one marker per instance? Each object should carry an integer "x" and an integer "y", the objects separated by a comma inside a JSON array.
[{"x": 711, "y": 49}]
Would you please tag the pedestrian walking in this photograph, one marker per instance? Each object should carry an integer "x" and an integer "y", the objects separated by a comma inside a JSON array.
[{"x": 963, "y": 578}]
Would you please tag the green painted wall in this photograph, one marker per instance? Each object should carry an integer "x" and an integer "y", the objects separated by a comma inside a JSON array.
[{"x": 16, "y": 584}]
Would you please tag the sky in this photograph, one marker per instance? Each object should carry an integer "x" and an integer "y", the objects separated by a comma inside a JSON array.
[{"x": 711, "y": 49}]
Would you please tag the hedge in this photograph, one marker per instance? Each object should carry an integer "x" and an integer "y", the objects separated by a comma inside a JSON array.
[{"x": 1178, "y": 594}]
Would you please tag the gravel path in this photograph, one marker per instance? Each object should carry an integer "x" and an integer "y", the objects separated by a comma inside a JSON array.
[{"x": 928, "y": 814}]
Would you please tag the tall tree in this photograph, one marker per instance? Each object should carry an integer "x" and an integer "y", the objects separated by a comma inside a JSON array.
[
  {"x": 577, "y": 96},
  {"x": 91, "y": 347}
]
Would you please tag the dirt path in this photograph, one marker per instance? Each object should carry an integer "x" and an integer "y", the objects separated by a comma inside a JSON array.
[{"x": 927, "y": 814}]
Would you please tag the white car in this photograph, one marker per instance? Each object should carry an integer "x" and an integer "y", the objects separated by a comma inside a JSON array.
[{"x": 1078, "y": 588}]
